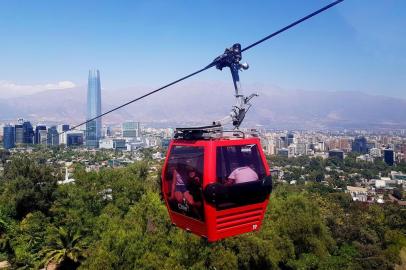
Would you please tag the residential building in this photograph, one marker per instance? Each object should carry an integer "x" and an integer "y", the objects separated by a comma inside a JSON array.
[
  {"x": 375, "y": 152},
  {"x": 358, "y": 193}
]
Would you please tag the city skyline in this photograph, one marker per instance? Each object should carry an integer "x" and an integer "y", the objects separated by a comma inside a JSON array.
[{"x": 274, "y": 108}]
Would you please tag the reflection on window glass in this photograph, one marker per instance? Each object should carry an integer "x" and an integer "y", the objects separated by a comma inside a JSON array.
[
  {"x": 239, "y": 164},
  {"x": 184, "y": 176}
]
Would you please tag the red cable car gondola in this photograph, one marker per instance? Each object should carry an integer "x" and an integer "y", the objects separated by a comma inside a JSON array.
[{"x": 214, "y": 185}]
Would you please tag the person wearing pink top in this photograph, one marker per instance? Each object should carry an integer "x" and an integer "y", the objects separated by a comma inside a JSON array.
[{"x": 243, "y": 175}]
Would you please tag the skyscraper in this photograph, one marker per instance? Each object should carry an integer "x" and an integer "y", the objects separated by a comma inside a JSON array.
[
  {"x": 93, "y": 128},
  {"x": 28, "y": 133},
  {"x": 290, "y": 138},
  {"x": 8, "y": 137},
  {"x": 40, "y": 134},
  {"x": 388, "y": 156},
  {"x": 43, "y": 137},
  {"x": 19, "y": 133},
  {"x": 61, "y": 129},
  {"x": 53, "y": 136},
  {"x": 360, "y": 145}
]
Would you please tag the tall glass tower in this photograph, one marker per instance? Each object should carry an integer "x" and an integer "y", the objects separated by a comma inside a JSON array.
[
  {"x": 93, "y": 128},
  {"x": 8, "y": 137},
  {"x": 28, "y": 133}
]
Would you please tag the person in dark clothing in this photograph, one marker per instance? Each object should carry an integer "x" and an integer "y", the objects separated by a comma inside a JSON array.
[{"x": 186, "y": 186}]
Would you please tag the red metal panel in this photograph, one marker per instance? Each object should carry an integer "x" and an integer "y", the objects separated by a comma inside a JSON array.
[
  {"x": 230, "y": 223},
  {"x": 221, "y": 219},
  {"x": 189, "y": 224},
  {"x": 210, "y": 171}
]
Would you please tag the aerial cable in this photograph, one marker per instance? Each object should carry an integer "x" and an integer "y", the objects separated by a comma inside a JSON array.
[
  {"x": 212, "y": 64},
  {"x": 292, "y": 24}
]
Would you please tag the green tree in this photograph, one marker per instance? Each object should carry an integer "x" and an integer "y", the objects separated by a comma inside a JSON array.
[
  {"x": 28, "y": 239},
  {"x": 64, "y": 247},
  {"x": 28, "y": 186},
  {"x": 297, "y": 221}
]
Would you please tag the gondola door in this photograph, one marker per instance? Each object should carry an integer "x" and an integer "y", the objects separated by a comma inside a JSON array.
[{"x": 183, "y": 176}]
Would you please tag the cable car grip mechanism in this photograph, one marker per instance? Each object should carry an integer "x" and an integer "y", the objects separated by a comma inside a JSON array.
[{"x": 231, "y": 58}]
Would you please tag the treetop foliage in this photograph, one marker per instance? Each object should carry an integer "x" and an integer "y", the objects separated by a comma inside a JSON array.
[{"x": 116, "y": 219}]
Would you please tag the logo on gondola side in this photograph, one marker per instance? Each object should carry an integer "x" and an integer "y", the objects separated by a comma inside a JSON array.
[{"x": 183, "y": 207}]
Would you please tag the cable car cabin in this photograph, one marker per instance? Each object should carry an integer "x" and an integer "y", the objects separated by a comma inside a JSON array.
[{"x": 217, "y": 187}]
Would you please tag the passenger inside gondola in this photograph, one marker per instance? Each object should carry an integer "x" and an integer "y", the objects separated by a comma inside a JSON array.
[
  {"x": 243, "y": 174},
  {"x": 239, "y": 171},
  {"x": 239, "y": 164},
  {"x": 185, "y": 187}
]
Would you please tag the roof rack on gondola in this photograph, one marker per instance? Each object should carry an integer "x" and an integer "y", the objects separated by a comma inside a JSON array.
[{"x": 212, "y": 132}]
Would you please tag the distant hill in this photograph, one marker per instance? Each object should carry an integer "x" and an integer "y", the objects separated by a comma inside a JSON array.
[{"x": 205, "y": 102}]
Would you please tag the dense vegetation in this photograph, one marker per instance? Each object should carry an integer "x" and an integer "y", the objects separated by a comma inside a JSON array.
[
  {"x": 115, "y": 219},
  {"x": 340, "y": 172}
]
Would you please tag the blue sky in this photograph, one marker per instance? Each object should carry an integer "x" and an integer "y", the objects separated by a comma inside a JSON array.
[{"x": 356, "y": 46}]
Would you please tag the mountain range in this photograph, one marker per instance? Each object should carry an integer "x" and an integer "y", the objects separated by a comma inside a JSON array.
[{"x": 203, "y": 102}]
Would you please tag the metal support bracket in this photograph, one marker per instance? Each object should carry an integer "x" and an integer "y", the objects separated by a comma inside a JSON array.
[{"x": 231, "y": 58}]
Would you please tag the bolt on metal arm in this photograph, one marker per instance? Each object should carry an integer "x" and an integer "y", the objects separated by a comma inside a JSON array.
[{"x": 231, "y": 58}]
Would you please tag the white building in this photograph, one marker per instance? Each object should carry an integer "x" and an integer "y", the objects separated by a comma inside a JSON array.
[
  {"x": 269, "y": 147},
  {"x": 365, "y": 157},
  {"x": 106, "y": 144},
  {"x": 43, "y": 136},
  {"x": 60, "y": 129},
  {"x": 398, "y": 176},
  {"x": 375, "y": 152},
  {"x": 379, "y": 183},
  {"x": 301, "y": 148},
  {"x": 384, "y": 182},
  {"x": 321, "y": 146},
  {"x": 110, "y": 143},
  {"x": 151, "y": 141},
  {"x": 291, "y": 150},
  {"x": 67, "y": 179},
  {"x": 358, "y": 193}
]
